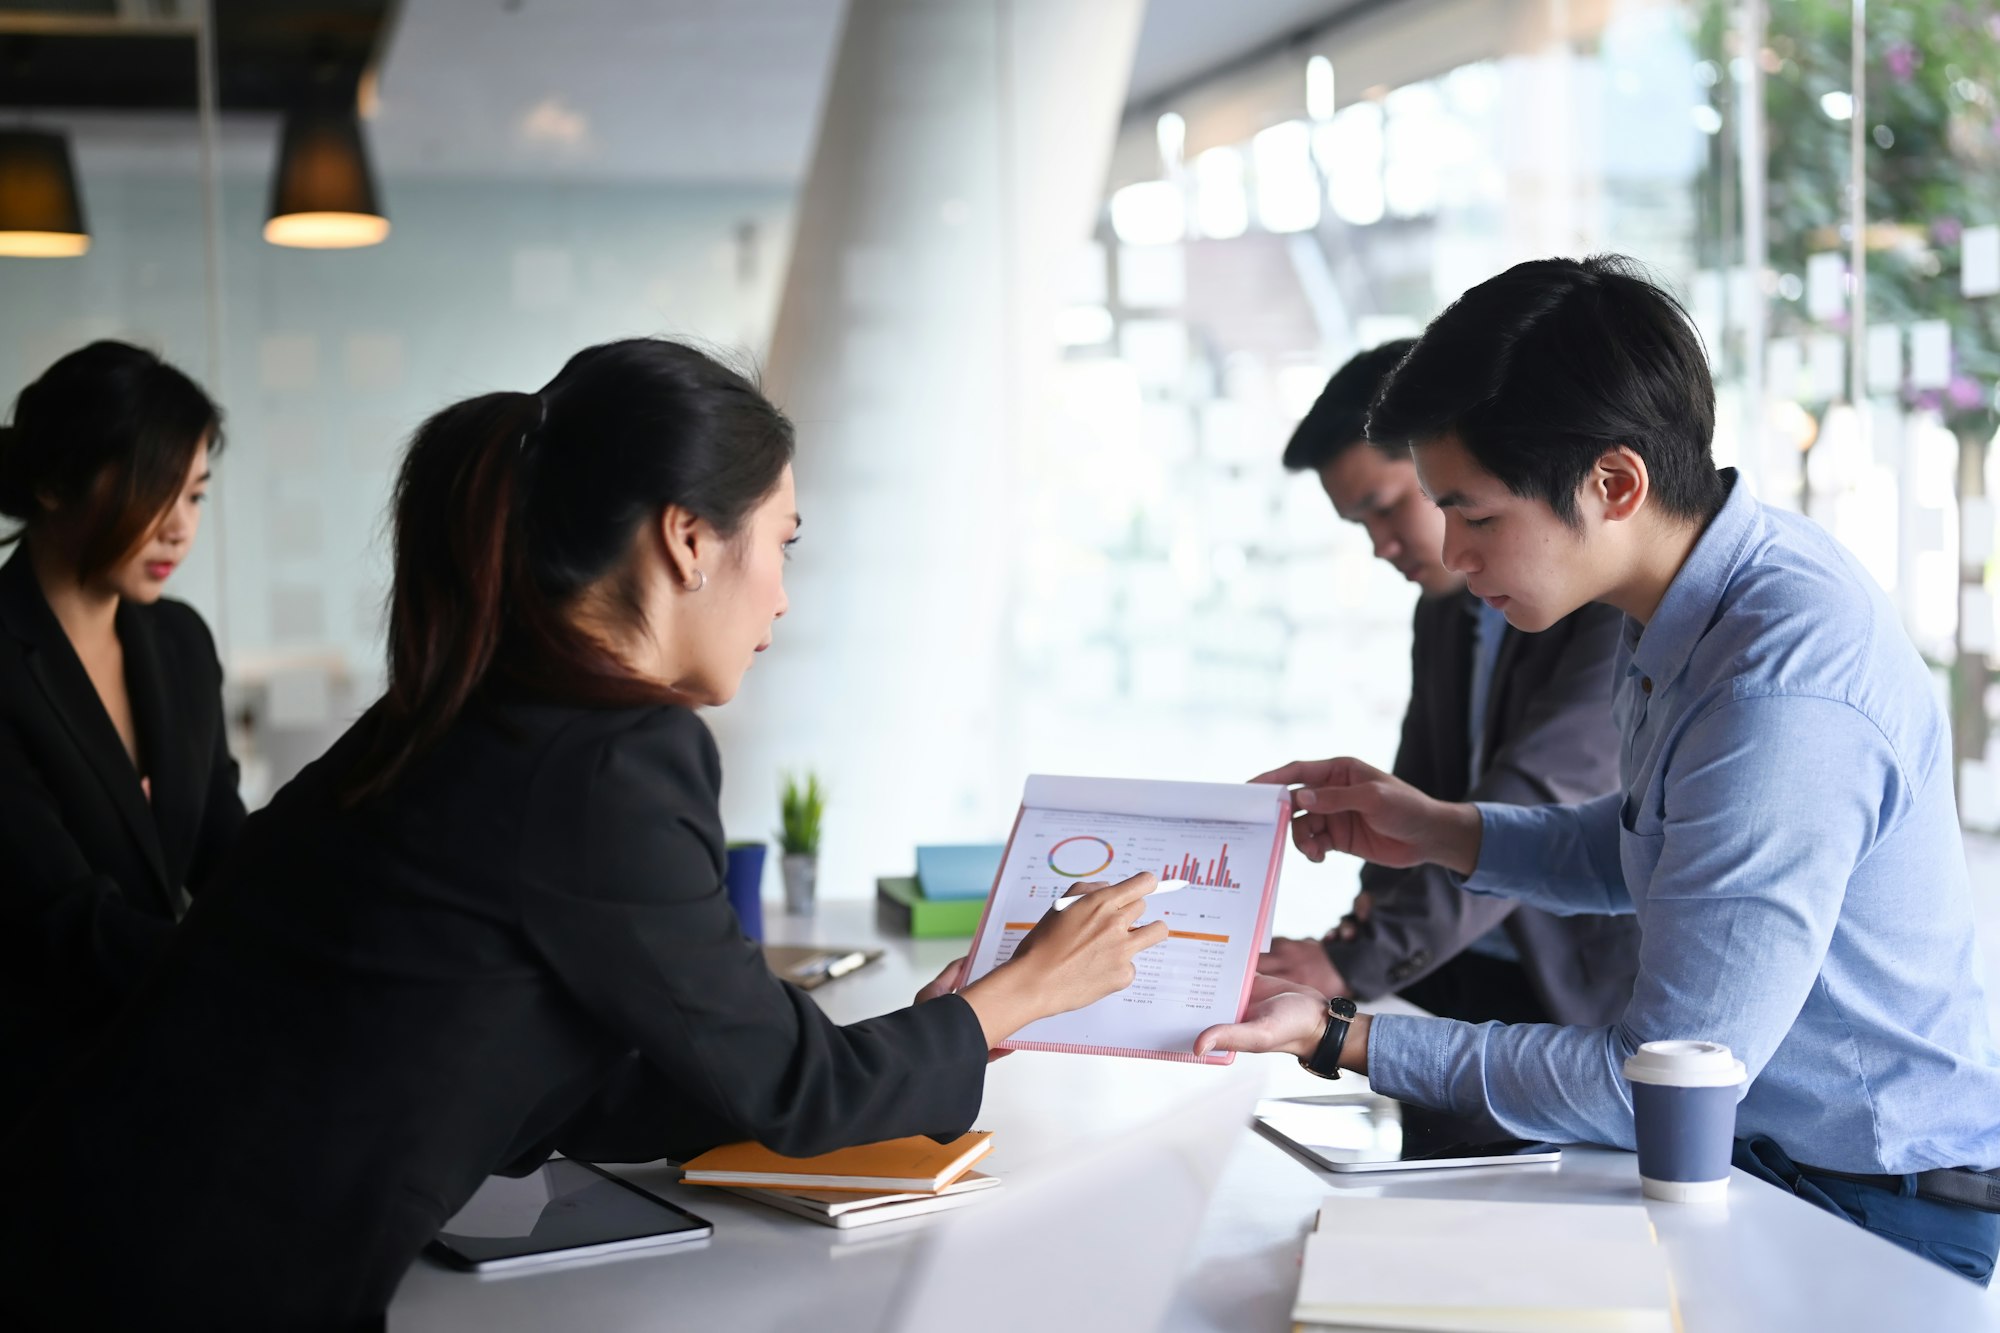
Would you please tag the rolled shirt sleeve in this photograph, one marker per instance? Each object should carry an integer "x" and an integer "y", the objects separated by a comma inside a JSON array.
[
  {"x": 1738, "y": 884},
  {"x": 1563, "y": 859},
  {"x": 1560, "y": 747}
]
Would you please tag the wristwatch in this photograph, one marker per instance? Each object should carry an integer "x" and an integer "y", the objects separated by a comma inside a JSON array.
[{"x": 1325, "y": 1059}]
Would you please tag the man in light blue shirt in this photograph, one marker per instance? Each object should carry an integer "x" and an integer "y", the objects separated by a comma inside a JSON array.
[
  {"x": 1786, "y": 830},
  {"x": 1493, "y": 716}
]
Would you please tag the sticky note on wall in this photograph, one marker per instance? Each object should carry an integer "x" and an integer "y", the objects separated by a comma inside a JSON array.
[
  {"x": 1975, "y": 620},
  {"x": 1930, "y": 354},
  {"x": 1975, "y": 530},
  {"x": 1979, "y": 261},
  {"x": 1826, "y": 285},
  {"x": 1885, "y": 358},
  {"x": 1826, "y": 365}
]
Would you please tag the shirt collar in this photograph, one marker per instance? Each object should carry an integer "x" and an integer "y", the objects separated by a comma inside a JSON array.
[{"x": 1661, "y": 650}]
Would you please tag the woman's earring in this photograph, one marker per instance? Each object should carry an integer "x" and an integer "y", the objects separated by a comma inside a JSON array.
[{"x": 703, "y": 584}]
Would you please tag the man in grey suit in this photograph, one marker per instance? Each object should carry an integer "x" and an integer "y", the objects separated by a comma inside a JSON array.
[{"x": 1494, "y": 715}]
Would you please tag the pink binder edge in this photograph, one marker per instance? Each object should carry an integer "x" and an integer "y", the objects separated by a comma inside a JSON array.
[
  {"x": 992, "y": 891},
  {"x": 1263, "y": 927}
]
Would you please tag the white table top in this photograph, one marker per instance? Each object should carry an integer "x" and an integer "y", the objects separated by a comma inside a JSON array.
[{"x": 1764, "y": 1262}]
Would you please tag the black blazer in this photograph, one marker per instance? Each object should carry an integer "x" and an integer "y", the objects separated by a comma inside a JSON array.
[
  {"x": 92, "y": 876},
  {"x": 1549, "y": 738},
  {"x": 525, "y": 946}
]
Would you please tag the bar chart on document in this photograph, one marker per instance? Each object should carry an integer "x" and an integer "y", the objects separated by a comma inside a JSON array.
[{"x": 1214, "y": 876}]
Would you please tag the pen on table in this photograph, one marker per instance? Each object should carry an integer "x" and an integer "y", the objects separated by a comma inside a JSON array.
[{"x": 834, "y": 965}]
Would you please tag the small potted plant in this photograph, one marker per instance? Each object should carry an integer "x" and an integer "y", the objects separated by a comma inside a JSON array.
[{"x": 800, "y": 807}]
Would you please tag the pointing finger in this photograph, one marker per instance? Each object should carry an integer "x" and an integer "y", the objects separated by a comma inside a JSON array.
[
  {"x": 1132, "y": 890},
  {"x": 1077, "y": 892}
]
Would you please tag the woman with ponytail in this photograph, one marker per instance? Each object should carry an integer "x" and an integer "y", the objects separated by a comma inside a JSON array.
[
  {"x": 490, "y": 923},
  {"x": 117, "y": 792}
]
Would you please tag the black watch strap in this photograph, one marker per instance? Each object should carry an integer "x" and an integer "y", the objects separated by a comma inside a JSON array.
[{"x": 1325, "y": 1059}]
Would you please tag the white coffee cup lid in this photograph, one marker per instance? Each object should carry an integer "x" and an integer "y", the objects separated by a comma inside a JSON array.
[{"x": 1685, "y": 1064}]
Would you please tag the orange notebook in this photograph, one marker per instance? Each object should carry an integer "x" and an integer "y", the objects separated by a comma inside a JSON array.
[{"x": 913, "y": 1166}]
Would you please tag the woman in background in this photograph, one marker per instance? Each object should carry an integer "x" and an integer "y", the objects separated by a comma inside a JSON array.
[
  {"x": 489, "y": 923},
  {"x": 117, "y": 791}
]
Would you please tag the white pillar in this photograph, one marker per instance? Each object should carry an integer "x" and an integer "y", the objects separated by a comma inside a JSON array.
[{"x": 961, "y": 155}]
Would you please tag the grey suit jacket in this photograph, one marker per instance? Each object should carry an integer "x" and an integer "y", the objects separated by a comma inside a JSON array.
[{"x": 1549, "y": 738}]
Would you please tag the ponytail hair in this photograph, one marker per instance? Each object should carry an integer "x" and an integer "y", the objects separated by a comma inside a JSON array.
[
  {"x": 106, "y": 436},
  {"x": 510, "y": 505}
]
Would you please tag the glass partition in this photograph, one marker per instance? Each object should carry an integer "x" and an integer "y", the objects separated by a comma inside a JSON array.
[{"x": 1192, "y": 602}]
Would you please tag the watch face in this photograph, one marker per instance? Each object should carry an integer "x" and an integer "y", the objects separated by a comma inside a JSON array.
[{"x": 1343, "y": 1007}]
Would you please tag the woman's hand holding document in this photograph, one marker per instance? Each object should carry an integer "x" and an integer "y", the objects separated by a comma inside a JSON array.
[
  {"x": 1071, "y": 961},
  {"x": 1215, "y": 846}
]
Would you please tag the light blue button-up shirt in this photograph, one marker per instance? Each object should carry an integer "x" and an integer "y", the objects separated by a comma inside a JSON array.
[{"x": 1789, "y": 840}]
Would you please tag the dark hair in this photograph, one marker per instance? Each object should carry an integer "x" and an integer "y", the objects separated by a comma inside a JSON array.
[
  {"x": 510, "y": 505},
  {"x": 1542, "y": 369},
  {"x": 1339, "y": 417},
  {"x": 108, "y": 434}
]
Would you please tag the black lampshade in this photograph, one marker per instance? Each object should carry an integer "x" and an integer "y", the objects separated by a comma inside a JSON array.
[
  {"x": 323, "y": 194},
  {"x": 41, "y": 213}
]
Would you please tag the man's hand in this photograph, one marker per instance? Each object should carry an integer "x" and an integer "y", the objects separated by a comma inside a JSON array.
[
  {"x": 1287, "y": 1018},
  {"x": 1304, "y": 962},
  {"x": 1347, "y": 806}
]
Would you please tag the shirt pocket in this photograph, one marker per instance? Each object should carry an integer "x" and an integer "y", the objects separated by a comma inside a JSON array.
[
  {"x": 1641, "y": 834},
  {"x": 1638, "y": 857},
  {"x": 1643, "y": 813}
]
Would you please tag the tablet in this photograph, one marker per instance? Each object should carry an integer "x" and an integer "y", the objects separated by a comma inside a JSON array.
[
  {"x": 1348, "y": 1132},
  {"x": 563, "y": 1210}
]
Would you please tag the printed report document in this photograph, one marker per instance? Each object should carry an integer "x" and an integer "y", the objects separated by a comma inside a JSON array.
[{"x": 1216, "y": 847}]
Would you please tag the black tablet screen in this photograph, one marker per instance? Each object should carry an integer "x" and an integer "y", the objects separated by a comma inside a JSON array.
[{"x": 562, "y": 1206}]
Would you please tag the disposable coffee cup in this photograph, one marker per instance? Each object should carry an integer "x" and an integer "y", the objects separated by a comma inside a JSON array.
[{"x": 1684, "y": 1110}]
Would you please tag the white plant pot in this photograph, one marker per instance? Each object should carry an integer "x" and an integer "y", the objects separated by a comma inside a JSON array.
[{"x": 801, "y": 874}]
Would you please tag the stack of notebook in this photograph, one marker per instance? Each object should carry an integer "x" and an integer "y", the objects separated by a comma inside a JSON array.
[
  {"x": 946, "y": 896},
  {"x": 1477, "y": 1266},
  {"x": 854, "y": 1187}
]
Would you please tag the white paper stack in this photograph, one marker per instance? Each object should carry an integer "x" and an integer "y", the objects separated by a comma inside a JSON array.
[
  {"x": 1477, "y": 1266},
  {"x": 845, "y": 1209}
]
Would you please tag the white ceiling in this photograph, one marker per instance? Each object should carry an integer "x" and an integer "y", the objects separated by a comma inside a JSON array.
[
  {"x": 1184, "y": 39},
  {"x": 722, "y": 90},
  {"x": 654, "y": 90},
  {"x": 688, "y": 89}
]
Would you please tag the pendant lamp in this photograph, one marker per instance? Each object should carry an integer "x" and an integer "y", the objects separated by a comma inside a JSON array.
[
  {"x": 41, "y": 213},
  {"x": 323, "y": 196}
]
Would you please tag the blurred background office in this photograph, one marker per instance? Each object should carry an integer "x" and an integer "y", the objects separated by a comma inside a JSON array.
[{"x": 1045, "y": 286}]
